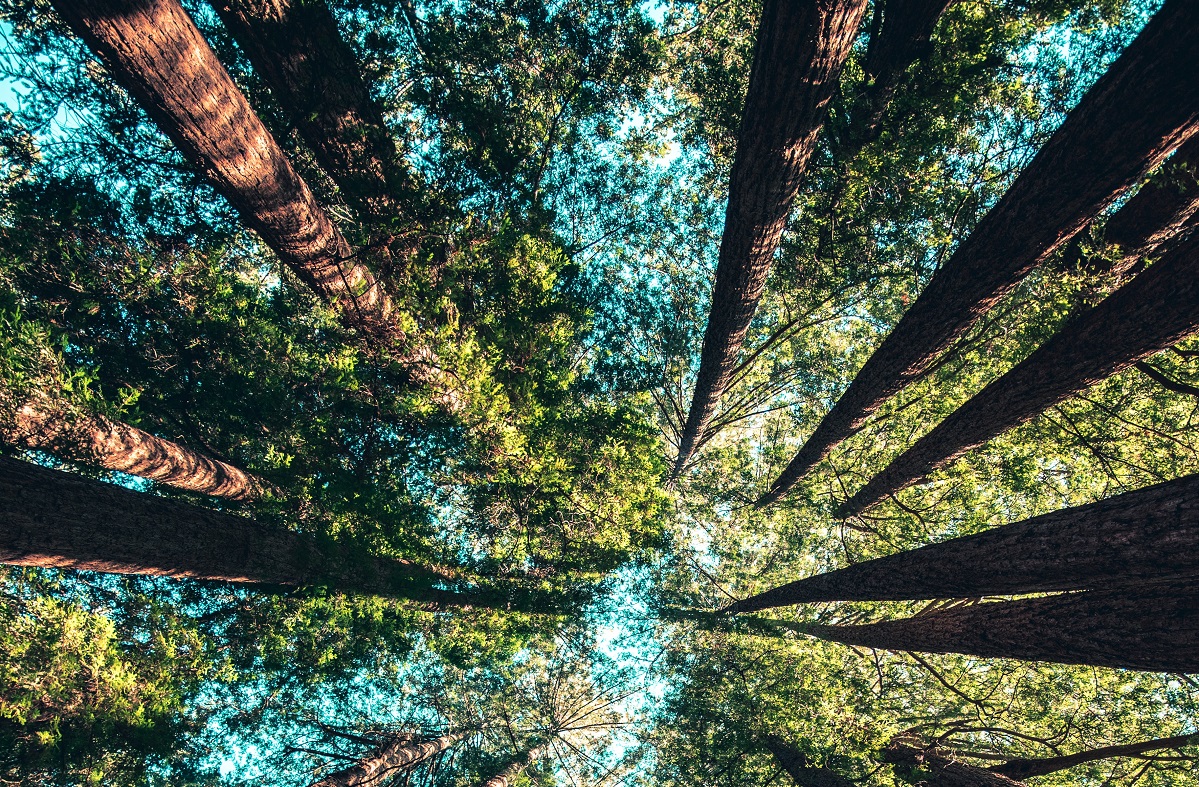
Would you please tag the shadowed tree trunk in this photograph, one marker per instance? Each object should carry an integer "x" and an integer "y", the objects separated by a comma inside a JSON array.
[
  {"x": 801, "y": 47},
  {"x": 1148, "y": 314},
  {"x": 1155, "y": 628},
  {"x": 296, "y": 47},
  {"x": 506, "y": 775},
  {"x": 385, "y": 763},
  {"x": 796, "y": 765},
  {"x": 1026, "y": 769},
  {"x": 942, "y": 769},
  {"x": 53, "y": 519},
  {"x": 116, "y": 446},
  {"x": 1130, "y": 539},
  {"x": 1141, "y": 109},
  {"x": 153, "y": 49}
]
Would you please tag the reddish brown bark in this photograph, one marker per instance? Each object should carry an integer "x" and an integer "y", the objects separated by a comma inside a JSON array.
[
  {"x": 942, "y": 768},
  {"x": 801, "y": 48},
  {"x": 1155, "y": 628},
  {"x": 796, "y": 765},
  {"x": 116, "y": 446},
  {"x": 1155, "y": 310},
  {"x": 506, "y": 775},
  {"x": 153, "y": 49},
  {"x": 1145, "y": 106},
  {"x": 1127, "y": 540},
  {"x": 386, "y": 763}
]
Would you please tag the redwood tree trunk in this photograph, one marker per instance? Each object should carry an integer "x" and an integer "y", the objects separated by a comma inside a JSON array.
[
  {"x": 943, "y": 769},
  {"x": 1155, "y": 628},
  {"x": 387, "y": 762},
  {"x": 509, "y": 772},
  {"x": 153, "y": 49},
  {"x": 1130, "y": 539},
  {"x": 116, "y": 446},
  {"x": 796, "y": 766},
  {"x": 1026, "y": 769},
  {"x": 801, "y": 47},
  {"x": 1140, "y": 110},
  {"x": 1148, "y": 314}
]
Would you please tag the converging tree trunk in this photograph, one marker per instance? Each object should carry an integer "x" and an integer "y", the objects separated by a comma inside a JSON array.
[
  {"x": 116, "y": 446},
  {"x": 1126, "y": 540},
  {"x": 801, "y": 47},
  {"x": 1148, "y": 314},
  {"x": 796, "y": 765},
  {"x": 385, "y": 763},
  {"x": 1155, "y": 628},
  {"x": 153, "y": 49},
  {"x": 942, "y": 768},
  {"x": 1028, "y": 768},
  {"x": 508, "y": 773},
  {"x": 1141, "y": 109}
]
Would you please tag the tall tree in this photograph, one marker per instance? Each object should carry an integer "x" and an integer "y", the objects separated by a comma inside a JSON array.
[
  {"x": 1148, "y": 314},
  {"x": 1026, "y": 768},
  {"x": 796, "y": 765},
  {"x": 390, "y": 760},
  {"x": 1128, "y": 539},
  {"x": 1140, "y": 110},
  {"x": 153, "y": 49},
  {"x": 513, "y": 768},
  {"x": 942, "y": 768},
  {"x": 800, "y": 51}
]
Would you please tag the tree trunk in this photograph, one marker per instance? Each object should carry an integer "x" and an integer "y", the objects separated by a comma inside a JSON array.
[
  {"x": 1026, "y": 769},
  {"x": 801, "y": 47},
  {"x": 943, "y": 770},
  {"x": 153, "y": 49},
  {"x": 1155, "y": 310},
  {"x": 116, "y": 446},
  {"x": 384, "y": 764},
  {"x": 509, "y": 772},
  {"x": 796, "y": 766},
  {"x": 53, "y": 519},
  {"x": 1141, "y": 109},
  {"x": 296, "y": 47},
  {"x": 1155, "y": 628},
  {"x": 1127, "y": 540}
]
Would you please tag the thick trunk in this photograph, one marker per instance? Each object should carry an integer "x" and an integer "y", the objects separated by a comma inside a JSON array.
[
  {"x": 296, "y": 48},
  {"x": 384, "y": 764},
  {"x": 1131, "y": 539},
  {"x": 1026, "y": 769},
  {"x": 506, "y": 775},
  {"x": 1148, "y": 314},
  {"x": 116, "y": 446},
  {"x": 153, "y": 49},
  {"x": 1155, "y": 628},
  {"x": 54, "y": 519},
  {"x": 1141, "y": 109},
  {"x": 796, "y": 766},
  {"x": 801, "y": 47},
  {"x": 942, "y": 769}
]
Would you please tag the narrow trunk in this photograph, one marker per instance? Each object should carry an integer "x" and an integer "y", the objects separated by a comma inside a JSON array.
[
  {"x": 509, "y": 772},
  {"x": 296, "y": 47},
  {"x": 387, "y": 762},
  {"x": 1141, "y": 109},
  {"x": 801, "y": 47},
  {"x": 796, "y": 766},
  {"x": 116, "y": 446},
  {"x": 1155, "y": 628},
  {"x": 942, "y": 769},
  {"x": 1026, "y": 769},
  {"x": 1131, "y": 539},
  {"x": 153, "y": 49},
  {"x": 1148, "y": 314}
]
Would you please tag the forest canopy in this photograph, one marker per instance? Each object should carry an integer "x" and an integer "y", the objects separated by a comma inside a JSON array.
[{"x": 665, "y": 393}]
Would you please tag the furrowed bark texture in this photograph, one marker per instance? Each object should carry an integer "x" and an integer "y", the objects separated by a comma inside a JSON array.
[
  {"x": 387, "y": 762},
  {"x": 1155, "y": 628},
  {"x": 54, "y": 519},
  {"x": 796, "y": 766},
  {"x": 1026, "y": 769},
  {"x": 153, "y": 49},
  {"x": 116, "y": 446},
  {"x": 943, "y": 770},
  {"x": 1148, "y": 314},
  {"x": 509, "y": 772},
  {"x": 296, "y": 47},
  {"x": 1140, "y": 110},
  {"x": 1127, "y": 540},
  {"x": 801, "y": 48}
]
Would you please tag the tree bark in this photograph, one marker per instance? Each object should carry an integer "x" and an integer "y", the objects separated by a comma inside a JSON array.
[
  {"x": 296, "y": 47},
  {"x": 1145, "y": 106},
  {"x": 385, "y": 763},
  {"x": 153, "y": 49},
  {"x": 1026, "y": 769},
  {"x": 116, "y": 446},
  {"x": 943, "y": 770},
  {"x": 1155, "y": 628},
  {"x": 1155, "y": 310},
  {"x": 801, "y": 48},
  {"x": 53, "y": 519},
  {"x": 796, "y": 766},
  {"x": 1127, "y": 540},
  {"x": 509, "y": 772}
]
